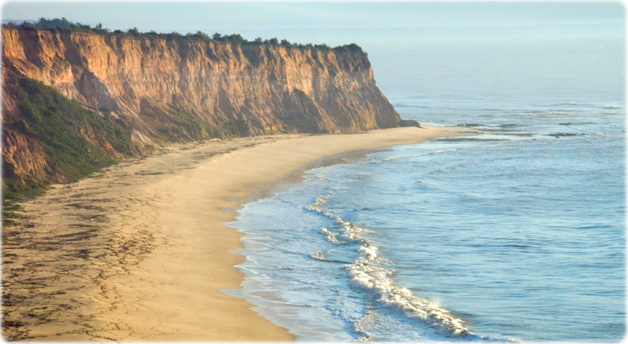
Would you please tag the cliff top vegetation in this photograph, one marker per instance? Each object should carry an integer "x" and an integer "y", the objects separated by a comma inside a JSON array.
[{"x": 64, "y": 25}]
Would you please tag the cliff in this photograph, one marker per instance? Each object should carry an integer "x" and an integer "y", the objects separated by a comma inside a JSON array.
[{"x": 104, "y": 96}]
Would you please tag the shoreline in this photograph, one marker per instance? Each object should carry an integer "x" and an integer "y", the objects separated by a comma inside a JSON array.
[{"x": 139, "y": 251}]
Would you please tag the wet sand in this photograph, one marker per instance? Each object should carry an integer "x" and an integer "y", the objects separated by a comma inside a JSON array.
[{"x": 138, "y": 252}]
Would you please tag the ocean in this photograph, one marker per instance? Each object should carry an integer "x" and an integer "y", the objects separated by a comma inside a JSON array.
[{"x": 513, "y": 235}]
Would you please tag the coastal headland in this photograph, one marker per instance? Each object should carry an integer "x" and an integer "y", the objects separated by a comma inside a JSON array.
[
  {"x": 173, "y": 133},
  {"x": 138, "y": 251},
  {"x": 76, "y": 99}
]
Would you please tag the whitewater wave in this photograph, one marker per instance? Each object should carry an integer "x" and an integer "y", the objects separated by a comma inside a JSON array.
[
  {"x": 368, "y": 274},
  {"x": 317, "y": 204},
  {"x": 361, "y": 325},
  {"x": 332, "y": 237}
]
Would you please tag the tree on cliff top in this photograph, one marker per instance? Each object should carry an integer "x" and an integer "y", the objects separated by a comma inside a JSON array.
[
  {"x": 61, "y": 24},
  {"x": 134, "y": 32},
  {"x": 199, "y": 35},
  {"x": 65, "y": 25},
  {"x": 236, "y": 38},
  {"x": 286, "y": 44}
]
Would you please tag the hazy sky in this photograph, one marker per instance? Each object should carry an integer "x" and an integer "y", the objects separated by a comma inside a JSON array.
[
  {"x": 420, "y": 47},
  {"x": 277, "y": 18}
]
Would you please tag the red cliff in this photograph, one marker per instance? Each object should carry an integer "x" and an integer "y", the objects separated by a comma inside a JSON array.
[{"x": 169, "y": 88}]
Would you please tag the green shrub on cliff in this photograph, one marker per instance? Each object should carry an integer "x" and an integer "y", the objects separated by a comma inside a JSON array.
[
  {"x": 56, "y": 123},
  {"x": 185, "y": 126}
]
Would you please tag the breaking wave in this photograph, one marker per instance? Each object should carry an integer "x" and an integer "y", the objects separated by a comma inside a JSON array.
[{"x": 368, "y": 273}]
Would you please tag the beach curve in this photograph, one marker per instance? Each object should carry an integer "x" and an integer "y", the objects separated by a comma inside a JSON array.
[{"x": 139, "y": 251}]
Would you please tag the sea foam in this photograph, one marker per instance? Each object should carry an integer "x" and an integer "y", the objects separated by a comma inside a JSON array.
[{"x": 368, "y": 273}]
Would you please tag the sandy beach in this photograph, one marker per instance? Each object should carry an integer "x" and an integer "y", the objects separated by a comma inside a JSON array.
[{"x": 139, "y": 252}]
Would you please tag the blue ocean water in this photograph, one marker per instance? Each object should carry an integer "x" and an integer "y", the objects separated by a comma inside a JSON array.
[{"x": 516, "y": 235}]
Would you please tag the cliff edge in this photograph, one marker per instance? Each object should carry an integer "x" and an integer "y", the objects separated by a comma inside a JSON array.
[{"x": 99, "y": 97}]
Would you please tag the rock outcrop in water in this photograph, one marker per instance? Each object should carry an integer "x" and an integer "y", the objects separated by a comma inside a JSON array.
[{"x": 116, "y": 95}]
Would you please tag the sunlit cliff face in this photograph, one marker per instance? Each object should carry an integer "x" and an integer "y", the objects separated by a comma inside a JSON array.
[
  {"x": 189, "y": 86},
  {"x": 274, "y": 88}
]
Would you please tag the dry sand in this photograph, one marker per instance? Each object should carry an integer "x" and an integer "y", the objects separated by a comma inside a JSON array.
[{"x": 138, "y": 252}]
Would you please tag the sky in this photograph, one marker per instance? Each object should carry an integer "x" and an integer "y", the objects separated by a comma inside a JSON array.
[
  {"x": 277, "y": 18},
  {"x": 443, "y": 48}
]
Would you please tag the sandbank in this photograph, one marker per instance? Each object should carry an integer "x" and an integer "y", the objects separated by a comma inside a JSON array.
[{"x": 139, "y": 252}]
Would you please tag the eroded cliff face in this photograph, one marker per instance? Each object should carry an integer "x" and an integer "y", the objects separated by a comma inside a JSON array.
[{"x": 168, "y": 89}]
